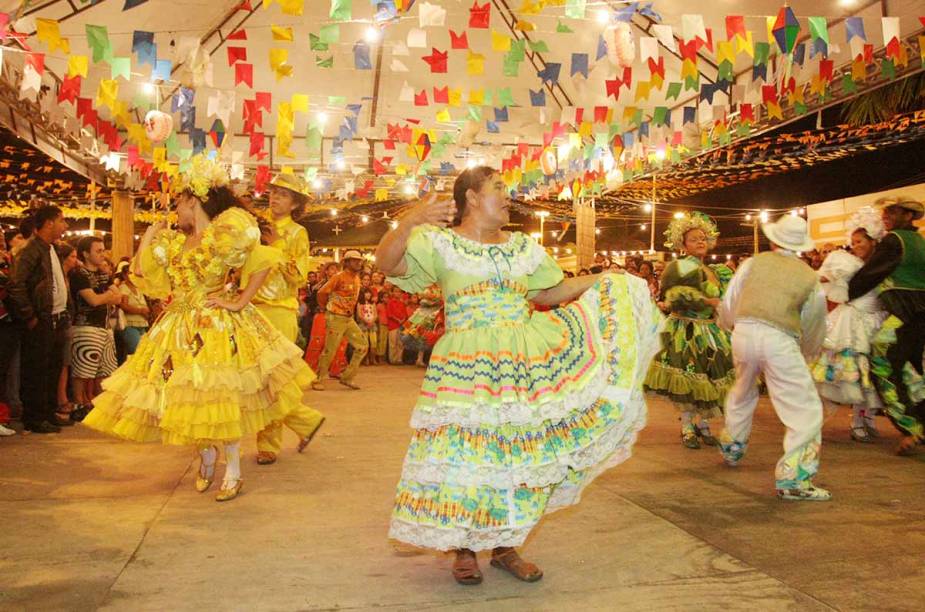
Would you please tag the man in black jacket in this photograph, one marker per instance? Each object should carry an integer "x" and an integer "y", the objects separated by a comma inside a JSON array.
[
  {"x": 38, "y": 294},
  {"x": 897, "y": 270}
]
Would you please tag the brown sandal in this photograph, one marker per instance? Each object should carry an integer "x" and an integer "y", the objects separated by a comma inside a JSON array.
[
  {"x": 266, "y": 458},
  {"x": 466, "y": 568},
  {"x": 508, "y": 560}
]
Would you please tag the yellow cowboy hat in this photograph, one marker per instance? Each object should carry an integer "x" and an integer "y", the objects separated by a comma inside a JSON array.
[
  {"x": 290, "y": 182},
  {"x": 904, "y": 202}
]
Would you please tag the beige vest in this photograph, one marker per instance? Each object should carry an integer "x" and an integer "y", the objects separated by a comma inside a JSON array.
[{"x": 775, "y": 290}]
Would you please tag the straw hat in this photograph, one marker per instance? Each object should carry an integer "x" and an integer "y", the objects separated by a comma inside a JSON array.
[
  {"x": 351, "y": 254},
  {"x": 905, "y": 202},
  {"x": 290, "y": 182},
  {"x": 790, "y": 233}
]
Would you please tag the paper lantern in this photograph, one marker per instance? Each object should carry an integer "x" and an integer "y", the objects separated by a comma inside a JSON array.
[
  {"x": 621, "y": 51},
  {"x": 548, "y": 161},
  {"x": 158, "y": 126}
]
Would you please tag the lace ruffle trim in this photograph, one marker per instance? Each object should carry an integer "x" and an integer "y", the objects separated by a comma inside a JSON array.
[{"x": 517, "y": 257}]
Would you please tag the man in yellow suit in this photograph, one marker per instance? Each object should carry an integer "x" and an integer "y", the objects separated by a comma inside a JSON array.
[{"x": 278, "y": 301}]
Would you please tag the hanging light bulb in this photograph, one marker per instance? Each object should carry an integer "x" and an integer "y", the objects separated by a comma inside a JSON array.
[
  {"x": 364, "y": 219},
  {"x": 647, "y": 207}
]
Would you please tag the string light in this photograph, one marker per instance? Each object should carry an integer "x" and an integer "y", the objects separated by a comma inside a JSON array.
[
  {"x": 364, "y": 218},
  {"x": 333, "y": 212},
  {"x": 603, "y": 17},
  {"x": 371, "y": 35},
  {"x": 597, "y": 231},
  {"x": 748, "y": 217},
  {"x": 647, "y": 207},
  {"x": 322, "y": 118},
  {"x": 643, "y": 226},
  {"x": 679, "y": 215}
]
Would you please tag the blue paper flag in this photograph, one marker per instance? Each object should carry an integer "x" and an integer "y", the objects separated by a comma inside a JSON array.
[
  {"x": 579, "y": 64},
  {"x": 625, "y": 13},
  {"x": 646, "y": 10},
  {"x": 143, "y": 46},
  {"x": 760, "y": 72},
  {"x": 550, "y": 74},
  {"x": 198, "y": 139},
  {"x": 188, "y": 118},
  {"x": 628, "y": 140},
  {"x": 601, "y": 48},
  {"x": 538, "y": 98},
  {"x": 183, "y": 99},
  {"x": 130, "y": 4},
  {"x": 854, "y": 26},
  {"x": 361, "y": 56},
  {"x": 501, "y": 114},
  {"x": 819, "y": 46},
  {"x": 162, "y": 68},
  {"x": 492, "y": 127},
  {"x": 350, "y": 122},
  {"x": 690, "y": 114},
  {"x": 799, "y": 54},
  {"x": 354, "y": 109},
  {"x": 345, "y": 133},
  {"x": 447, "y": 168}
]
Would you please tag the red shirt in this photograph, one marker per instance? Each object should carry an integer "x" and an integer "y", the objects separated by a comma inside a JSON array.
[{"x": 397, "y": 313}]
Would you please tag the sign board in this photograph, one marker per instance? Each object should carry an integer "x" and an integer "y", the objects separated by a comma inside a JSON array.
[{"x": 827, "y": 220}]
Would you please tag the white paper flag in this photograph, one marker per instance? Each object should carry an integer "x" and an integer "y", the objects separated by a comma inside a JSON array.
[
  {"x": 398, "y": 66},
  {"x": 648, "y": 47},
  {"x": 407, "y": 93},
  {"x": 431, "y": 15},
  {"x": 400, "y": 49},
  {"x": 417, "y": 39},
  {"x": 890, "y": 29},
  {"x": 665, "y": 36},
  {"x": 692, "y": 27},
  {"x": 30, "y": 79}
]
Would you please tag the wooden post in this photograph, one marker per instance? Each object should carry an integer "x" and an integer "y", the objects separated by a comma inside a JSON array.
[
  {"x": 123, "y": 225},
  {"x": 584, "y": 232}
]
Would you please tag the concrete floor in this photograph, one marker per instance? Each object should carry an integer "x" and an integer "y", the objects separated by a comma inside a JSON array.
[{"x": 91, "y": 522}]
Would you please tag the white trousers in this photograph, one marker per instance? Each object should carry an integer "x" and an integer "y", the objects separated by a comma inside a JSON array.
[{"x": 762, "y": 349}]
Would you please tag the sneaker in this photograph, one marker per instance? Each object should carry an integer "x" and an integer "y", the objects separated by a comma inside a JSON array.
[
  {"x": 732, "y": 452},
  {"x": 805, "y": 492},
  {"x": 6, "y": 431},
  {"x": 860, "y": 434},
  {"x": 706, "y": 437},
  {"x": 689, "y": 437}
]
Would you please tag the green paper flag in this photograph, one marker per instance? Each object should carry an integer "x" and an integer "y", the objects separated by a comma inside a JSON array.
[
  {"x": 121, "y": 67},
  {"x": 601, "y": 141},
  {"x": 725, "y": 71},
  {"x": 692, "y": 83},
  {"x": 539, "y": 46},
  {"x": 173, "y": 146},
  {"x": 316, "y": 43},
  {"x": 888, "y": 69},
  {"x": 799, "y": 108},
  {"x": 612, "y": 130},
  {"x": 98, "y": 41},
  {"x": 562, "y": 28},
  {"x": 660, "y": 114},
  {"x": 674, "y": 90},
  {"x": 337, "y": 100},
  {"x": 818, "y": 29},
  {"x": 762, "y": 52},
  {"x": 575, "y": 9},
  {"x": 847, "y": 84},
  {"x": 330, "y": 33},
  {"x": 341, "y": 10},
  {"x": 511, "y": 66},
  {"x": 475, "y": 113},
  {"x": 324, "y": 62},
  {"x": 186, "y": 155},
  {"x": 637, "y": 117},
  {"x": 313, "y": 140},
  {"x": 518, "y": 47},
  {"x": 505, "y": 97},
  {"x": 743, "y": 129},
  {"x": 487, "y": 98}
]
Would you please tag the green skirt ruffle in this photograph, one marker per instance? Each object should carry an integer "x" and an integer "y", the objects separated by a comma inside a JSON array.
[{"x": 694, "y": 369}]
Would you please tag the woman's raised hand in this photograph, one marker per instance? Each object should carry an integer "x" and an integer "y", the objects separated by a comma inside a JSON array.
[{"x": 431, "y": 210}]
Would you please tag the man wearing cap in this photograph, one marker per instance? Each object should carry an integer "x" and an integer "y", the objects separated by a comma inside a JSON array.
[
  {"x": 897, "y": 270},
  {"x": 339, "y": 299},
  {"x": 277, "y": 299},
  {"x": 776, "y": 308}
]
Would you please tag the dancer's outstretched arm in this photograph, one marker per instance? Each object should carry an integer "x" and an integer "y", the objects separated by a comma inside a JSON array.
[
  {"x": 567, "y": 290},
  {"x": 391, "y": 250}
]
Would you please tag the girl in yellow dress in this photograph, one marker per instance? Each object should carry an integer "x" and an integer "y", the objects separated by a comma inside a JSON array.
[{"x": 211, "y": 369}]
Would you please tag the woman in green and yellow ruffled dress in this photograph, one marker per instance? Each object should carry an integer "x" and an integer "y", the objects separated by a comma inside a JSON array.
[{"x": 694, "y": 369}]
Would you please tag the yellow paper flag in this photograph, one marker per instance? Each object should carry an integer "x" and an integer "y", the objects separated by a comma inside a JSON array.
[
  {"x": 382, "y": 194},
  {"x": 278, "y": 65},
  {"x": 475, "y": 64},
  {"x": 769, "y": 21},
  {"x": 444, "y": 115},
  {"x": 725, "y": 51},
  {"x": 281, "y": 33},
  {"x": 77, "y": 65},
  {"x": 476, "y": 96},
  {"x": 107, "y": 93},
  {"x": 48, "y": 32},
  {"x": 455, "y": 97},
  {"x": 746, "y": 44},
  {"x": 642, "y": 90},
  {"x": 160, "y": 158},
  {"x": 500, "y": 42},
  {"x": 300, "y": 103},
  {"x": 292, "y": 7}
]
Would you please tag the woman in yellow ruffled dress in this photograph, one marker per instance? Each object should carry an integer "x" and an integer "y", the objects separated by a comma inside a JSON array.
[{"x": 211, "y": 369}]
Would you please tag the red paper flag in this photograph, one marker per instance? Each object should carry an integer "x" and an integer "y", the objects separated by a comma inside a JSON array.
[
  {"x": 709, "y": 41},
  {"x": 442, "y": 96},
  {"x": 869, "y": 53},
  {"x": 768, "y": 93},
  {"x": 378, "y": 167},
  {"x": 245, "y": 6},
  {"x": 257, "y": 139},
  {"x": 657, "y": 68},
  {"x": 747, "y": 112},
  {"x": 579, "y": 115},
  {"x": 237, "y": 35},
  {"x": 389, "y": 144},
  {"x": 407, "y": 132},
  {"x": 264, "y": 100},
  {"x": 237, "y": 54},
  {"x": 69, "y": 89},
  {"x": 244, "y": 73},
  {"x": 437, "y": 60},
  {"x": 261, "y": 178},
  {"x": 613, "y": 88},
  {"x": 600, "y": 114},
  {"x": 735, "y": 25},
  {"x": 479, "y": 16},
  {"x": 421, "y": 98},
  {"x": 688, "y": 49},
  {"x": 826, "y": 68},
  {"x": 459, "y": 41},
  {"x": 37, "y": 61}
]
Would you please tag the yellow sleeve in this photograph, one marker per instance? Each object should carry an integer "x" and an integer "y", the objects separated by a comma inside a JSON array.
[
  {"x": 298, "y": 258},
  {"x": 233, "y": 237},
  {"x": 260, "y": 259},
  {"x": 154, "y": 262}
]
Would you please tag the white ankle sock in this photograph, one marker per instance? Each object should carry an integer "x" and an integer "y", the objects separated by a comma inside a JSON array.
[
  {"x": 207, "y": 457},
  {"x": 232, "y": 464}
]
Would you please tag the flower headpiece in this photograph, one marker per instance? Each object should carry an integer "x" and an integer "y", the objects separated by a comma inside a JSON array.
[
  {"x": 674, "y": 235},
  {"x": 202, "y": 174},
  {"x": 868, "y": 219}
]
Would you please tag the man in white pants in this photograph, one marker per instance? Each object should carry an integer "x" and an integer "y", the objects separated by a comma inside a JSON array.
[{"x": 777, "y": 309}]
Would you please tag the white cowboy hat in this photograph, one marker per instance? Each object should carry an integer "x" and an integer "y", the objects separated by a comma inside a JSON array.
[
  {"x": 352, "y": 255},
  {"x": 790, "y": 233}
]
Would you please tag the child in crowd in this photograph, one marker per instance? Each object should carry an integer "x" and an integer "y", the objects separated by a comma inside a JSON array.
[
  {"x": 382, "y": 318},
  {"x": 368, "y": 320},
  {"x": 396, "y": 314}
]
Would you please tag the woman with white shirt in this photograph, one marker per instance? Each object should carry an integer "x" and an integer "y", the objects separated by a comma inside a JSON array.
[{"x": 842, "y": 371}]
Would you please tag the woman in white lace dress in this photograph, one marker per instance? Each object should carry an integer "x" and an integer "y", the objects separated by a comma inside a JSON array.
[{"x": 842, "y": 371}]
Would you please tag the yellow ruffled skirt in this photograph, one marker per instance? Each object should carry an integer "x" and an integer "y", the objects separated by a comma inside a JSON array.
[{"x": 200, "y": 376}]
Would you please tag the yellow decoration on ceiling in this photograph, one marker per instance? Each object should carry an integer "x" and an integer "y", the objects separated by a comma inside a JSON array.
[
  {"x": 500, "y": 42},
  {"x": 77, "y": 65}
]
